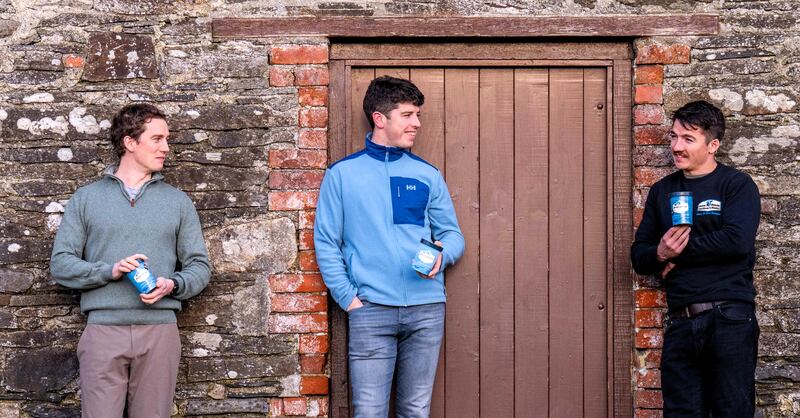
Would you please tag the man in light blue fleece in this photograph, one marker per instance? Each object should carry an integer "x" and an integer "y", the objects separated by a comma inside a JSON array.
[
  {"x": 374, "y": 208},
  {"x": 130, "y": 348}
]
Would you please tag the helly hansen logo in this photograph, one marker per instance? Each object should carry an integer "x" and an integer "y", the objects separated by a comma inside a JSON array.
[{"x": 411, "y": 187}]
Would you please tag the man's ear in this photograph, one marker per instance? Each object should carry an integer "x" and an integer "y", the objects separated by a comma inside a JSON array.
[
  {"x": 713, "y": 146},
  {"x": 379, "y": 119},
  {"x": 129, "y": 143}
]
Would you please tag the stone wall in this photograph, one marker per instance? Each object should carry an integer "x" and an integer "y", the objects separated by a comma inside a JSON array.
[{"x": 248, "y": 121}]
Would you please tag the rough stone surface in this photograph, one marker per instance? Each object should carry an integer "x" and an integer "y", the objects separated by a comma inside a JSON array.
[{"x": 229, "y": 109}]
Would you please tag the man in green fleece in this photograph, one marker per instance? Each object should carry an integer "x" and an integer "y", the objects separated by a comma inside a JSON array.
[{"x": 130, "y": 348}]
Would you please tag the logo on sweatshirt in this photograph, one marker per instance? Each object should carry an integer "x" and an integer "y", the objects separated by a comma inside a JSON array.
[{"x": 709, "y": 207}]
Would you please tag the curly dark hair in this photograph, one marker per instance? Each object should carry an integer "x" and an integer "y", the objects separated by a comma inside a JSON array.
[
  {"x": 703, "y": 115},
  {"x": 385, "y": 93},
  {"x": 130, "y": 121}
]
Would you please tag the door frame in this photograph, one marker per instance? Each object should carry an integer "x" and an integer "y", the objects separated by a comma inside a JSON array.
[{"x": 617, "y": 58}]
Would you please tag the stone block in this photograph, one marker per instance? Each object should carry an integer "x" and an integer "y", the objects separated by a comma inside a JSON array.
[
  {"x": 229, "y": 59},
  {"x": 229, "y": 117},
  {"x": 250, "y": 137},
  {"x": 239, "y": 157},
  {"x": 194, "y": 178},
  {"x": 24, "y": 250},
  {"x": 47, "y": 410},
  {"x": 269, "y": 246},
  {"x": 143, "y": 7},
  {"x": 119, "y": 56},
  {"x": 226, "y": 406},
  {"x": 210, "y": 369},
  {"x": 39, "y": 371},
  {"x": 15, "y": 281}
]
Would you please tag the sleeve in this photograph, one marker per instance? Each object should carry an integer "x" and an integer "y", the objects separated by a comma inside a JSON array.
[
  {"x": 328, "y": 240},
  {"x": 645, "y": 245},
  {"x": 67, "y": 265},
  {"x": 195, "y": 271},
  {"x": 444, "y": 225},
  {"x": 737, "y": 236}
]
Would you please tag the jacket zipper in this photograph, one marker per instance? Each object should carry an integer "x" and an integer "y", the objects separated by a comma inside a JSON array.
[{"x": 391, "y": 228}]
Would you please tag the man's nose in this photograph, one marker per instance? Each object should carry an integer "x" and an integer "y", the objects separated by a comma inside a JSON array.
[{"x": 416, "y": 122}]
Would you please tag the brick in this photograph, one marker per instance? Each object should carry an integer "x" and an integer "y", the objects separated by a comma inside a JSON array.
[
  {"x": 312, "y": 364},
  {"x": 305, "y": 282},
  {"x": 650, "y": 298},
  {"x": 307, "y": 260},
  {"x": 298, "y": 302},
  {"x": 649, "y": 338},
  {"x": 314, "y": 385},
  {"x": 322, "y": 403},
  {"x": 316, "y": 117},
  {"x": 648, "y": 114},
  {"x": 305, "y": 239},
  {"x": 291, "y": 324},
  {"x": 663, "y": 54},
  {"x": 294, "y": 406},
  {"x": 649, "y": 74},
  {"x": 287, "y": 180},
  {"x": 649, "y": 318},
  {"x": 281, "y": 76},
  {"x": 648, "y": 94},
  {"x": 306, "y": 219},
  {"x": 73, "y": 61},
  {"x": 313, "y": 96},
  {"x": 647, "y": 176},
  {"x": 275, "y": 407},
  {"x": 299, "y": 54},
  {"x": 645, "y": 398},
  {"x": 651, "y": 135},
  {"x": 648, "y": 413},
  {"x": 292, "y": 200},
  {"x": 312, "y": 344},
  {"x": 316, "y": 75},
  {"x": 649, "y": 378},
  {"x": 652, "y": 360},
  {"x": 297, "y": 158},
  {"x": 313, "y": 138}
]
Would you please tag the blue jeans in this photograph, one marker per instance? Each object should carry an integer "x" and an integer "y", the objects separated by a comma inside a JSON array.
[
  {"x": 382, "y": 337},
  {"x": 709, "y": 361}
]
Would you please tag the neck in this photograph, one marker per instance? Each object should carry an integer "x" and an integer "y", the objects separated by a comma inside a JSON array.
[
  {"x": 132, "y": 174},
  {"x": 702, "y": 170},
  {"x": 379, "y": 138}
]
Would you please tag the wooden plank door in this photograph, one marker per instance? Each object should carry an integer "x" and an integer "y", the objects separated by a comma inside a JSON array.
[{"x": 525, "y": 154}]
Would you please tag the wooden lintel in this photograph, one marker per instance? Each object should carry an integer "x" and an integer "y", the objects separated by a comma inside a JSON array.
[{"x": 488, "y": 27}]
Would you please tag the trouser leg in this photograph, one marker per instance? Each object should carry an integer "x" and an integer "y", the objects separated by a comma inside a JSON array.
[
  {"x": 154, "y": 370},
  {"x": 681, "y": 374},
  {"x": 732, "y": 354},
  {"x": 104, "y": 355},
  {"x": 422, "y": 328},
  {"x": 372, "y": 345}
]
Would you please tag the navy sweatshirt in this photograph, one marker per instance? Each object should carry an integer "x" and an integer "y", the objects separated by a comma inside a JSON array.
[{"x": 717, "y": 264}]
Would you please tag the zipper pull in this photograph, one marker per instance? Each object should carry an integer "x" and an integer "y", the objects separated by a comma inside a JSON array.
[
  {"x": 132, "y": 202},
  {"x": 398, "y": 191}
]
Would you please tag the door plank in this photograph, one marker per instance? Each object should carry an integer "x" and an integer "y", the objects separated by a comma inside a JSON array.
[
  {"x": 430, "y": 145},
  {"x": 594, "y": 238},
  {"x": 497, "y": 242},
  {"x": 358, "y": 126},
  {"x": 566, "y": 275},
  {"x": 430, "y": 138},
  {"x": 530, "y": 242},
  {"x": 462, "y": 175},
  {"x": 398, "y": 72}
]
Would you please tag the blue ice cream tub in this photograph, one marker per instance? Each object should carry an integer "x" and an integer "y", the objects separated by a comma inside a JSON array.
[
  {"x": 681, "y": 207},
  {"x": 142, "y": 278},
  {"x": 426, "y": 256}
]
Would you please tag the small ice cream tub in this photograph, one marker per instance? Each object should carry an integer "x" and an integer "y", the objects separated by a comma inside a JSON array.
[
  {"x": 142, "y": 278},
  {"x": 426, "y": 256},
  {"x": 681, "y": 207}
]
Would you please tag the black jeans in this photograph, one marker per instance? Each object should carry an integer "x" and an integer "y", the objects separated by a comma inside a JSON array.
[{"x": 708, "y": 363}]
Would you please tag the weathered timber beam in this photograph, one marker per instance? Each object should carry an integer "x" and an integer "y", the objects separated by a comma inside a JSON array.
[{"x": 418, "y": 27}]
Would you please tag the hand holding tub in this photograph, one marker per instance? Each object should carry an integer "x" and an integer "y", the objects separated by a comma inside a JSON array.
[{"x": 428, "y": 259}]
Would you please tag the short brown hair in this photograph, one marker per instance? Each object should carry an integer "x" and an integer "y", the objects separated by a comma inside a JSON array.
[
  {"x": 385, "y": 93},
  {"x": 130, "y": 121}
]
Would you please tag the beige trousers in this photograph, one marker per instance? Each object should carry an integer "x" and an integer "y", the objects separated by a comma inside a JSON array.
[{"x": 137, "y": 362}]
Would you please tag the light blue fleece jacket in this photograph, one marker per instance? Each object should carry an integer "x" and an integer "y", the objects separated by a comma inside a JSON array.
[{"x": 374, "y": 207}]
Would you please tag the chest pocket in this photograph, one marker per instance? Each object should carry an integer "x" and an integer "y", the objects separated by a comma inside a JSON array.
[{"x": 409, "y": 200}]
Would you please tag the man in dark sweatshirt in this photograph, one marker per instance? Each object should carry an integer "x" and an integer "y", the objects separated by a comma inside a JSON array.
[
  {"x": 711, "y": 335},
  {"x": 130, "y": 348}
]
